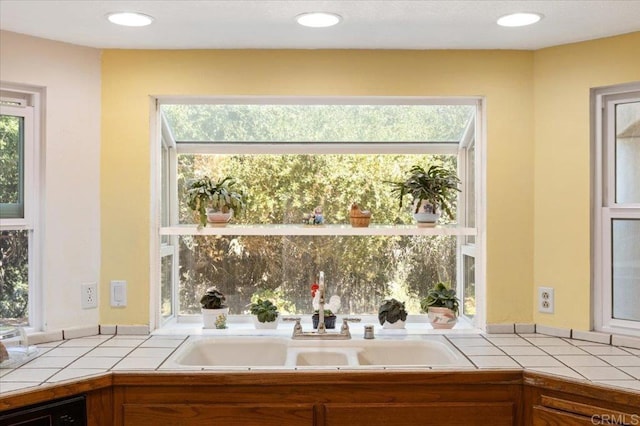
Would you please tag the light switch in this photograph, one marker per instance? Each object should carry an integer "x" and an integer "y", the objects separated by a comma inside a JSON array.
[{"x": 118, "y": 293}]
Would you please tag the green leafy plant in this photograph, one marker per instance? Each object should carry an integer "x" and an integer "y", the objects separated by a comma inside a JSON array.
[
  {"x": 222, "y": 195},
  {"x": 327, "y": 313},
  {"x": 213, "y": 299},
  {"x": 264, "y": 310},
  {"x": 441, "y": 296},
  {"x": 437, "y": 186},
  {"x": 391, "y": 311}
]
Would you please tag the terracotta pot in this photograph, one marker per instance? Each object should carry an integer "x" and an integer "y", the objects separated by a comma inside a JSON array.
[
  {"x": 442, "y": 317},
  {"x": 217, "y": 218}
]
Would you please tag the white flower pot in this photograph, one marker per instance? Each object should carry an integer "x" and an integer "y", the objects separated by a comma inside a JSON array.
[
  {"x": 209, "y": 316},
  {"x": 265, "y": 325},
  {"x": 426, "y": 216},
  {"x": 393, "y": 325}
]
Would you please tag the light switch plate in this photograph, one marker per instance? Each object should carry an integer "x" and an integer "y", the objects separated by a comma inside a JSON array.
[{"x": 118, "y": 293}]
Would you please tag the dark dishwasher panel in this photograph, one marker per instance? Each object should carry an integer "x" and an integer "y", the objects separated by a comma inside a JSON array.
[{"x": 70, "y": 411}]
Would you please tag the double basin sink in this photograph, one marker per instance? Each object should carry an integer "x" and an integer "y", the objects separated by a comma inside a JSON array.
[{"x": 278, "y": 352}]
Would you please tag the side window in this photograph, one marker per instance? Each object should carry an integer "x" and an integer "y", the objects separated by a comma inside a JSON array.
[
  {"x": 18, "y": 216},
  {"x": 617, "y": 212}
]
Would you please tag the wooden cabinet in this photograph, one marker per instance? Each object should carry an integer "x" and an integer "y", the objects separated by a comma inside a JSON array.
[
  {"x": 552, "y": 401},
  {"x": 319, "y": 399}
]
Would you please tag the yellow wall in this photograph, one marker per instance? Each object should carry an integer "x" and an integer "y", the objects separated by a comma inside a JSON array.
[
  {"x": 129, "y": 78},
  {"x": 563, "y": 78}
]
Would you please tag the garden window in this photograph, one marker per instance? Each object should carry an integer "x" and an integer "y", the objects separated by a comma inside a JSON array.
[{"x": 291, "y": 157}]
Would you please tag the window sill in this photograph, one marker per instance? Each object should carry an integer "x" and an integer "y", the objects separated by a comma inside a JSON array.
[{"x": 317, "y": 230}]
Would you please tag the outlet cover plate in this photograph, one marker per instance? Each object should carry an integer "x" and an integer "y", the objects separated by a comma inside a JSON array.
[
  {"x": 89, "y": 295},
  {"x": 546, "y": 302}
]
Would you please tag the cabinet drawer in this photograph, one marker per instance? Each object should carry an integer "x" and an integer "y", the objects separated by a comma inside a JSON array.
[
  {"x": 462, "y": 414},
  {"x": 212, "y": 414}
]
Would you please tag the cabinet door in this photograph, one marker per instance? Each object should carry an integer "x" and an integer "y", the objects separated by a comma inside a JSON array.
[
  {"x": 547, "y": 417},
  {"x": 212, "y": 414},
  {"x": 424, "y": 414}
]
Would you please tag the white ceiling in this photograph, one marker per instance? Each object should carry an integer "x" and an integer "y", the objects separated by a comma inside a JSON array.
[{"x": 366, "y": 24}]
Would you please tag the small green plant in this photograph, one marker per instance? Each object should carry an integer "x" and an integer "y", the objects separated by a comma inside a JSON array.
[
  {"x": 391, "y": 311},
  {"x": 441, "y": 296},
  {"x": 264, "y": 310},
  {"x": 327, "y": 313},
  {"x": 222, "y": 196},
  {"x": 436, "y": 186},
  {"x": 213, "y": 299}
]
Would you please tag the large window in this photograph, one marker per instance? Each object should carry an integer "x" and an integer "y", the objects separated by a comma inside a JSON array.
[
  {"x": 291, "y": 158},
  {"x": 617, "y": 210},
  {"x": 18, "y": 209}
]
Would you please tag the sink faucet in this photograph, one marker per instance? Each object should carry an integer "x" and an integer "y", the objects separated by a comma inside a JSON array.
[
  {"x": 321, "y": 289},
  {"x": 321, "y": 333}
]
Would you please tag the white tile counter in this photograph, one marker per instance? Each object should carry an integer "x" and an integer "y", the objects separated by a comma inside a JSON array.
[{"x": 576, "y": 359}]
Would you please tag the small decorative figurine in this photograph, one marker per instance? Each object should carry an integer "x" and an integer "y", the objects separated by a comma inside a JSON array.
[{"x": 315, "y": 218}]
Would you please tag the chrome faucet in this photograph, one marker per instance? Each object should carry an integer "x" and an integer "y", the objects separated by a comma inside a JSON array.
[
  {"x": 321, "y": 333},
  {"x": 321, "y": 289}
]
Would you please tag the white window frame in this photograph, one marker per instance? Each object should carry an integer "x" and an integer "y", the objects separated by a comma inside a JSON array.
[
  {"x": 26, "y": 102},
  {"x": 159, "y": 131},
  {"x": 604, "y": 208}
]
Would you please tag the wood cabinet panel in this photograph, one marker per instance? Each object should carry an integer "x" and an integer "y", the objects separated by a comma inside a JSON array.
[
  {"x": 215, "y": 414},
  {"x": 100, "y": 407},
  {"x": 543, "y": 416},
  {"x": 462, "y": 414}
]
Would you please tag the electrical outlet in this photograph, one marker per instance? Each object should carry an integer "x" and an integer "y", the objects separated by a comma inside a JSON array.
[
  {"x": 545, "y": 300},
  {"x": 89, "y": 295}
]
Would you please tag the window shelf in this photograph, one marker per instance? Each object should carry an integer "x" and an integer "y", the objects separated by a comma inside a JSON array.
[{"x": 317, "y": 230}]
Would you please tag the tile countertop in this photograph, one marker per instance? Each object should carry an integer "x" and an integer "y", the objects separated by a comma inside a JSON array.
[{"x": 576, "y": 359}]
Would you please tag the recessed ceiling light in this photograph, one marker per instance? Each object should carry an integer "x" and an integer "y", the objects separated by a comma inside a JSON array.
[
  {"x": 519, "y": 19},
  {"x": 318, "y": 19},
  {"x": 130, "y": 19}
]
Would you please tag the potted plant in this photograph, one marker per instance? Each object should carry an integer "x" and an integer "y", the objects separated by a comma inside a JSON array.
[
  {"x": 441, "y": 304},
  {"x": 215, "y": 202},
  {"x": 329, "y": 319},
  {"x": 214, "y": 311},
  {"x": 265, "y": 314},
  {"x": 433, "y": 190},
  {"x": 392, "y": 314}
]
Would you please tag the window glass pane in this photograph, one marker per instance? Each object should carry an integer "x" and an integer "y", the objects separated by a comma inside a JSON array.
[
  {"x": 469, "y": 291},
  {"x": 318, "y": 123},
  {"x": 11, "y": 166},
  {"x": 361, "y": 270},
  {"x": 282, "y": 188},
  {"x": 628, "y": 153},
  {"x": 166, "y": 286},
  {"x": 625, "y": 263},
  {"x": 14, "y": 277}
]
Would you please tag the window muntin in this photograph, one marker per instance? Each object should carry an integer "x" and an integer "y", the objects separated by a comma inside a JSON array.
[{"x": 398, "y": 145}]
